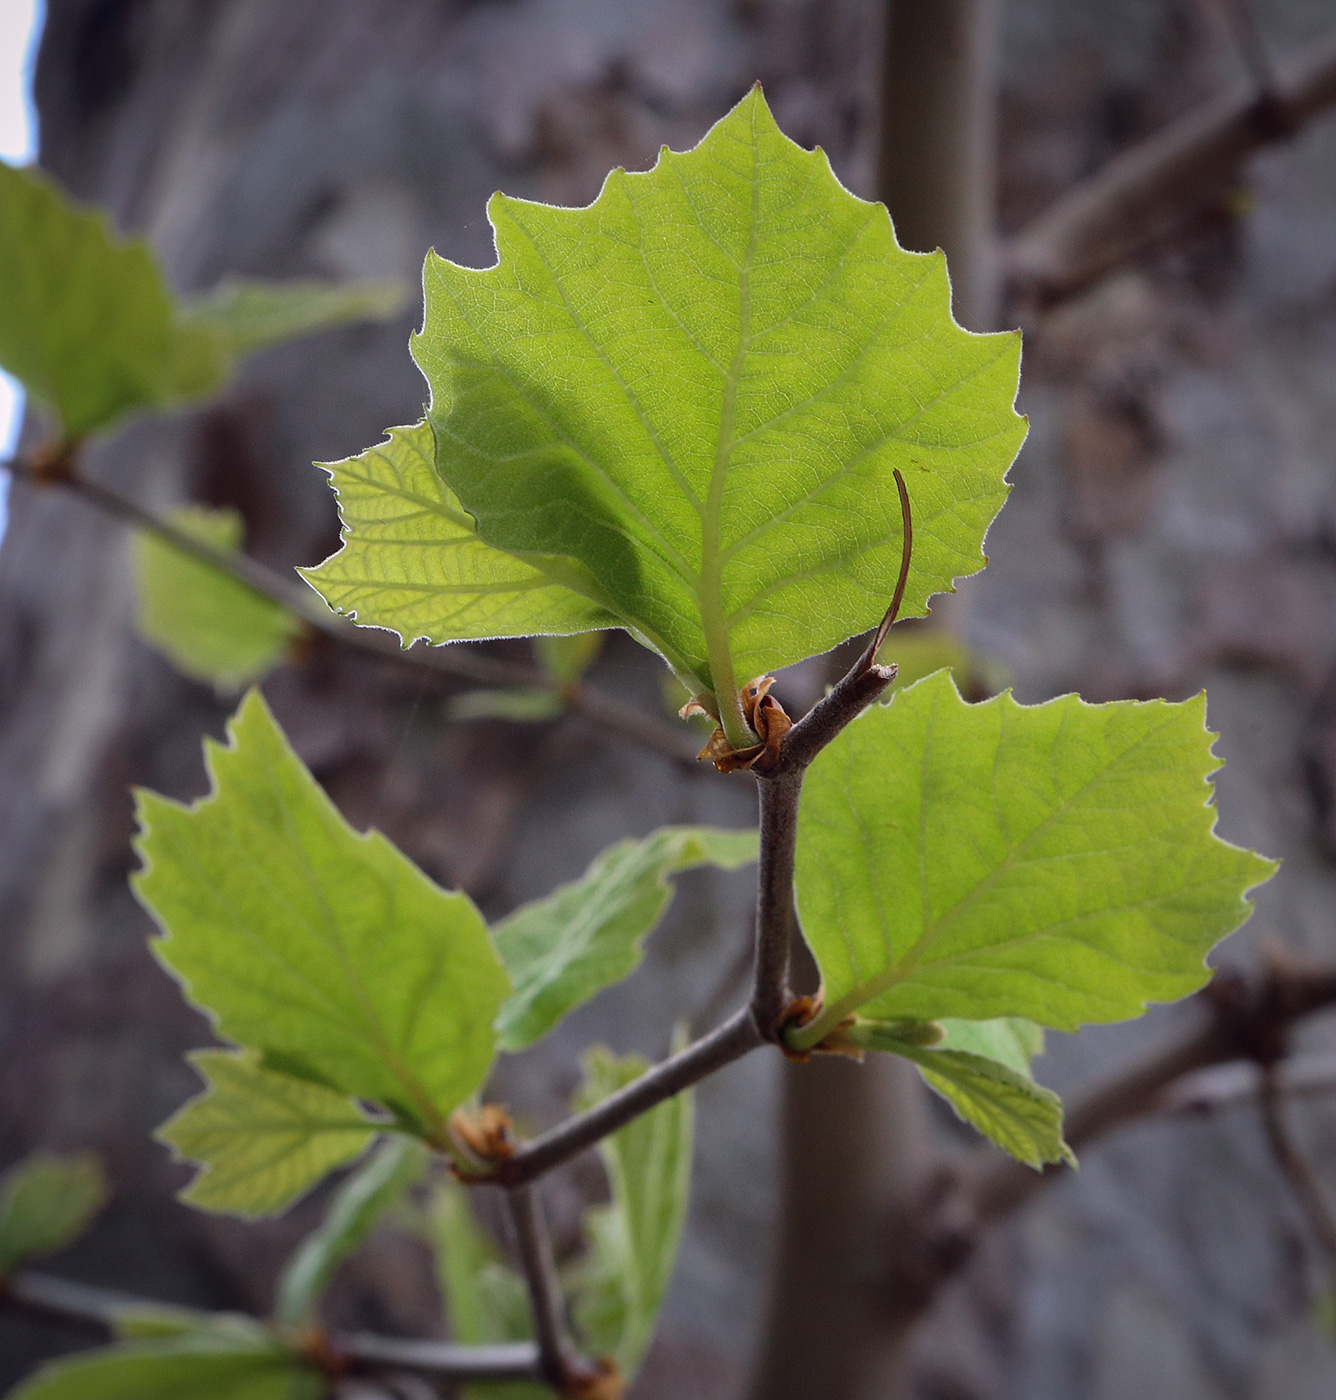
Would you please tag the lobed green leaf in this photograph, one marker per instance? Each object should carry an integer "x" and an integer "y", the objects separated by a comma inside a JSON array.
[
  {"x": 412, "y": 562},
  {"x": 685, "y": 403},
  {"x": 47, "y": 1202},
  {"x": 87, "y": 323},
  {"x": 564, "y": 948},
  {"x": 324, "y": 950},
  {"x": 261, "y": 1138},
  {"x": 208, "y": 624},
  {"x": 1057, "y": 862}
]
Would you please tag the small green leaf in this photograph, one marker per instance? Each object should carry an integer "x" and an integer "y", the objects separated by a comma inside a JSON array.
[
  {"x": 518, "y": 706},
  {"x": 485, "y": 1299},
  {"x": 326, "y": 951},
  {"x": 46, "y": 1202},
  {"x": 207, "y": 1366},
  {"x": 1009, "y": 1109},
  {"x": 144, "y": 1321},
  {"x": 566, "y": 659},
  {"x": 1010, "y": 1040},
  {"x": 359, "y": 1203},
  {"x": 564, "y": 948},
  {"x": 261, "y": 1138},
  {"x": 248, "y": 315},
  {"x": 87, "y": 323},
  {"x": 412, "y": 561},
  {"x": 210, "y": 626},
  {"x": 686, "y": 402},
  {"x": 633, "y": 1241},
  {"x": 1057, "y": 862},
  {"x": 922, "y": 651}
]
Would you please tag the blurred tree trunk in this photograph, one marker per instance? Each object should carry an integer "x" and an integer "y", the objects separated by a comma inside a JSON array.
[{"x": 856, "y": 1137}]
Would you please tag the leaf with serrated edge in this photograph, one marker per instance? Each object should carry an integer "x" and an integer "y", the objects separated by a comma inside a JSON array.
[
  {"x": 249, "y": 315},
  {"x": 358, "y": 1204},
  {"x": 210, "y": 1366},
  {"x": 87, "y": 323},
  {"x": 696, "y": 390},
  {"x": 412, "y": 562},
  {"x": 564, "y": 948},
  {"x": 1009, "y": 1109},
  {"x": 633, "y": 1241},
  {"x": 1057, "y": 862},
  {"x": 323, "y": 949},
  {"x": 261, "y": 1138},
  {"x": 208, "y": 624},
  {"x": 46, "y": 1202}
]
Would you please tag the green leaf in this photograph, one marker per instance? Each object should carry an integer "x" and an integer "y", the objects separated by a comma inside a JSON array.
[
  {"x": 633, "y": 1240},
  {"x": 485, "y": 1300},
  {"x": 564, "y": 948},
  {"x": 247, "y": 315},
  {"x": 144, "y": 1321},
  {"x": 412, "y": 561},
  {"x": 46, "y": 1202},
  {"x": 1056, "y": 862},
  {"x": 686, "y": 401},
  {"x": 210, "y": 626},
  {"x": 519, "y": 706},
  {"x": 1010, "y": 1040},
  {"x": 87, "y": 323},
  {"x": 325, "y": 950},
  {"x": 262, "y": 1138},
  {"x": 359, "y": 1203},
  {"x": 208, "y": 1366}
]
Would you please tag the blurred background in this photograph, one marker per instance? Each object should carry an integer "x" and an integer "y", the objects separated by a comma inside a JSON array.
[{"x": 1172, "y": 527}]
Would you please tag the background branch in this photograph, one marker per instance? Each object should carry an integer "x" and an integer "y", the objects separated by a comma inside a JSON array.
[{"x": 1297, "y": 1166}]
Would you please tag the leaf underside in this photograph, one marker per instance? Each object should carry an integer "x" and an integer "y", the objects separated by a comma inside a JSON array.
[
  {"x": 262, "y": 1138},
  {"x": 325, "y": 951},
  {"x": 685, "y": 402},
  {"x": 1056, "y": 862}
]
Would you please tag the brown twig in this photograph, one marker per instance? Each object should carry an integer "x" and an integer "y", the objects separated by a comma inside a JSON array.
[
  {"x": 556, "y": 1356},
  {"x": 1106, "y": 218},
  {"x": 305, "y": 604}
]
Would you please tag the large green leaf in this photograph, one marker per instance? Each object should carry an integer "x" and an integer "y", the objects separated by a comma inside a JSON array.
[
  {"x": 1056, "y": 862},
  {"x": 412, "y": 561},
  {"x": 323, "y": 949},
  {"x": 485, "y": 1299},
  {"x": 562, "y": 949},
  {"x": 248, "y": 315},
  {"x": 633, "y": 1241},
  {"x": 207, "y": 1366},
  {"x": 87, "y": 323},
  {"x": 210, "y": 626},
  {"x": 45, "y": 1203},
  {"x": 358, "y": 1204},
  {"x": 262, "y": 1138},
  {"x": 686, "y": 402}
]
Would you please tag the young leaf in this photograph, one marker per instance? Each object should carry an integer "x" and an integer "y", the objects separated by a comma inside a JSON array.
[
  {"x": 207, "y": 1366},
  {"x": 87, "y": 323},
  {"x": 262, "y": 1138},
  {"x": 1007, "y": 1107},
  {"x": 485, "y": 1299},
  {"x": 210, "y": 626},
  {"x": 695, "y": 391},
  {"x": 1010, "y": 1040},
  {"x": 1057, "y": 861},
  {"x": 564, "y": 948},
  {"x": 519, "y": 706},
  {"x": 326, "y": 951},
  {"x": 412, "y": 562},
  {"x": 566, "y": 659},
  {"x": 247, "y": 315},
  {"x": 359, "y": 1203},
  {"x": 633, "y": 1241},
  {"x": 46, "y": 1202}
]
